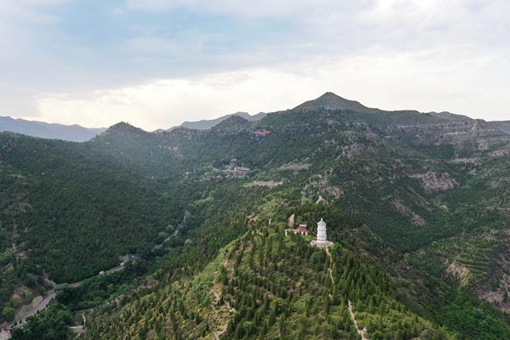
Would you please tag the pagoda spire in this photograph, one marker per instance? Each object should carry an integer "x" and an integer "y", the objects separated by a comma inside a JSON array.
[{"x": 321, "y": 233}]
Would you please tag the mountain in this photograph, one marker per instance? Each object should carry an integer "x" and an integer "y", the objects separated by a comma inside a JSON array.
[
  {"x": 73, "y": 133},
  {"x": 417, "y": 206},
  {"x": 207, "y": 124},
  {"x": 271, "y": 286},
  {"x": 450, "y": 116},
  {"x": 331, "y": 101},
  {"x": 503, "y": 126}
]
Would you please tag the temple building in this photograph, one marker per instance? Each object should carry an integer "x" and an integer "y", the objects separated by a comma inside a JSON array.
[{"x": 302, "y": 229}]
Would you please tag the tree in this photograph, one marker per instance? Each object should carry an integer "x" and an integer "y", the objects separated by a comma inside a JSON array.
[{"x": 8, "y": 313}]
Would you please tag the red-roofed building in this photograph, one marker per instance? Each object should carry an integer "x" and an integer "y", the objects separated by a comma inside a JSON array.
[
  {"x": 261, "y": 133},
  {"x": 303, "y": 229}
]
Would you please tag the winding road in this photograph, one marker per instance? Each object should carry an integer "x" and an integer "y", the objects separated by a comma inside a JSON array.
[{"x": 39, "y": 303}]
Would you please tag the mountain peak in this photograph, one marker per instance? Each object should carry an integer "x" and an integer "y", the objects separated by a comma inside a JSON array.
[
  {"x": 123, "y": 126},
  {"x": 330, "y": 95},
  {"x": 233, "y": 123},
  {"x": 121, "y": 129},
  {"x": 332, "y": 101}
]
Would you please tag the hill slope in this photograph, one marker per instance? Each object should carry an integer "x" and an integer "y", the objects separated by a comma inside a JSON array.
[
  {"x": 421, "y": 183},
  {"x": 267, "y": 285}
]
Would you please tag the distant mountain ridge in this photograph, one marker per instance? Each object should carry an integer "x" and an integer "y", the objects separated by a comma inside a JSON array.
[
  {"x": 450, "y": 116},
  {"x": 503, "y": 126},
  {"x": 72, "y": 133},
  {"x": 332, "y": 101},
  {"x": 207, "y": 124},
  {"x": 327, "y": 101}
]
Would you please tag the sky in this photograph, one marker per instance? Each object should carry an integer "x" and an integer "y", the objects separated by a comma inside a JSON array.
[{"x": 158, "y": 63}]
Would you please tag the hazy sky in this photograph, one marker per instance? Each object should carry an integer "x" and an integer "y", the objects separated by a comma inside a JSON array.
[{"x": 157, "y": 63}]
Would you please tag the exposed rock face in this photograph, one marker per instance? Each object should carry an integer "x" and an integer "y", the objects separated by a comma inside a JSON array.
[
  {"x": 487, "y": 276},
  {"x": 355, "y": 149},
  {"x": 499, "y": 295},
  {"x": 296, "y": 167},
  {"x": 450, "y": 116},
  {"x": 498, "y": 298},
  {"x": 437, "y": 181},
  {"x": 459, "y": 272},
  {"x": 404, "y": 210},
  {"x": 474, "y": 135}
]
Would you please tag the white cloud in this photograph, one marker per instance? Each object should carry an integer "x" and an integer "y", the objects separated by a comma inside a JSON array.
[
  {"x": 255, "y": 8},
  {"x": 187, "y": 47},
  {"x": 27, "y": 11},
  {"x": 423, "y": 54},
  {"x": 428, "y": 81},
  {"x": 354, "y": 26}
]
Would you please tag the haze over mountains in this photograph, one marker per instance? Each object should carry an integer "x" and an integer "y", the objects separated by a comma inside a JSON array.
[
  {"x": 503, "y": 126},
  {"x": 207, "y": 124},
  {"x": 329, "y": 101},
  {"x": 74, "y": 133}
]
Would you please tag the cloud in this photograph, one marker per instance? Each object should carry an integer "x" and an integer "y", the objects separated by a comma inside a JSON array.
[
  {"x": 256, "y": 8},
  {"x": 439, "y": 19},
  {"x": 159, "y": 62},
  {"x": 428, "y": 80},
  {"x": 28, "y": 11},
  {"x": 166, "y": 103},
  {"x": 187, "y": 46}
]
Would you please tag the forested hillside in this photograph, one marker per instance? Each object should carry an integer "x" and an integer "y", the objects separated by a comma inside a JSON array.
[
  {"x": 266, "y": 285},
  {"x": 418, "y": 204},
  {"x": 68, "y": 212}
]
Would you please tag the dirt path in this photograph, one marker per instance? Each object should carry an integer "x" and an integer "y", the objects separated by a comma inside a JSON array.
[
  {"x": 227, "y": 308},
  {"x": 329, "y": 269},
  {"x": 176, "y": 231},
  {"x": 360, "y": 332},
  {"x": 79, "y": 329}
]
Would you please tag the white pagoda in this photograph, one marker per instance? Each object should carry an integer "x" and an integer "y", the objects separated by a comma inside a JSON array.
[
  {"x": 321, "y": 233},
  {"x": 322, "y": 240}
]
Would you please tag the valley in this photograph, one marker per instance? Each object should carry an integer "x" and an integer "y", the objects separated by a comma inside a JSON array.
[{"x": 417, "y": 205}]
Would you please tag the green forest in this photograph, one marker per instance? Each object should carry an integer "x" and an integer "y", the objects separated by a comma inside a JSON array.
[{"x": 419, "y": 224}]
